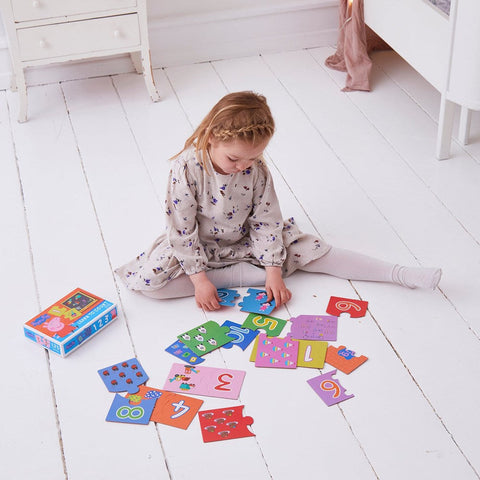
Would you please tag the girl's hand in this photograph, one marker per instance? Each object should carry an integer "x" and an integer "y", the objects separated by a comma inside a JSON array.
[
  {"x": 275, "y": 286},
  {"x": 206, "y": 294}
]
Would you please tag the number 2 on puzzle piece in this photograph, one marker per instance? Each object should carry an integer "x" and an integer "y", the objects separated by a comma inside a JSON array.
[
  {"x": 355, "y": 308},
  {"x": 328, "y": 388},
  {"x": 256, "y": 302},
  {"x": 343, "y": 359},
  {"x": 180, "y": 350},
  {"x": 241, "y": 337},
  {"x": 124, "y": 376},
  {"x": 205, "y": 338},
  {"x": 224, "y": 424},
  {"x": 227, "y": 296},
  {"x": 123, "y": 411}
]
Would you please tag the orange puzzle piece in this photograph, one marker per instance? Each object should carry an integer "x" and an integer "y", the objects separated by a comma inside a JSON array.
[{"x": 343, "y": 359}]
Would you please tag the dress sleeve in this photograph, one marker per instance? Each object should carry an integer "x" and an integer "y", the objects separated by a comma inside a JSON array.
[
  {"x": 266, "y": 223},
  {"x": 182, "y": 227}
]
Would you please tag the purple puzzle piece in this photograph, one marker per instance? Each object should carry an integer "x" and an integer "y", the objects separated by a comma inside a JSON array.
[
  {"x": 328, "y": 388},
  {"x": 125, "y": 376},
  {"x": 314, "y": 327}
]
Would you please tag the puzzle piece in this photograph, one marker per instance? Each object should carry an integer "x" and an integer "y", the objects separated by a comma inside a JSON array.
[
  {"x": 170, "y": 408},
  {"x": 242, "y": 337},
  {"x": 343, "y": 359},
  {"x": 227, "y": 296},
  {"x": 314, "y": 327},
  {"x": 207, "y": 381},
  {"x": 205, "y": 338},
  {"x": 276, "y": 352},
  {"x": 224, "y": 424},
  {"x": 123, "y": 411},
  {"x": 272, "y": 326},
  {"x": 180, "y": 350},
  {"x": 328, "y": 388},
  {"x": 355, "y": 308},
  {"x": 256, "y": 302},
  {"x": 311, "y": 353},
  {"x": 124, "y": 376}
]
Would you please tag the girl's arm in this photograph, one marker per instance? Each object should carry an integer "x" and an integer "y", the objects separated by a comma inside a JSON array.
[
  {"x": 206, "y": 294},
  {"x": 275, "y": 286}
]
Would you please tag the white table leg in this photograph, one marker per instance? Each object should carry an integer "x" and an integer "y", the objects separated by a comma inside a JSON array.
[
  {"x": 137, "y": 61},
  {"x": 445, "y": 127},
  {"x": 464, "y": 126},
  {"x": 148, "y": 75}
]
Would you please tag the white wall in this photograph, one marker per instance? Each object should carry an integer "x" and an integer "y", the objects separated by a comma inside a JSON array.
[{"x": 189, "y": 31}]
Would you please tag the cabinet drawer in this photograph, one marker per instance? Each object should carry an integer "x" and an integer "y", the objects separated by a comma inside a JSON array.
[
  {"x": 24, "y": 10},
  {"x": 73, "y": 38}
]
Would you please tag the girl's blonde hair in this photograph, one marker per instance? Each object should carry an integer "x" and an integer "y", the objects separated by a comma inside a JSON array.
[{"x": 237, "y": 116}]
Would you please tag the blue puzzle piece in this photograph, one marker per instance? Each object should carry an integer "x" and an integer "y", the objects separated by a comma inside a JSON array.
[
  {"x": 227, "y": 297},
  {"x": 124, "y": 376},
  {"x": 256, "y": 302},
  {"x": 181, "y": 351},
  {"x": 242, "y": 337},
  {"x": 123, "y": 411}
]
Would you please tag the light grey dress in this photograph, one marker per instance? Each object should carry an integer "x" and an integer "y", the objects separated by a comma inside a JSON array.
[{"x": 215, "y": 220}]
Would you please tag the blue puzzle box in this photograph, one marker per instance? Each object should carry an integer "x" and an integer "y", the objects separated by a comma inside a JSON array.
[{"x": 70, "y": 321}]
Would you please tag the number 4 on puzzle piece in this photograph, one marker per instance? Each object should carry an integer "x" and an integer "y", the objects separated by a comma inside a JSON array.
[{"x": 355, "y": 308}]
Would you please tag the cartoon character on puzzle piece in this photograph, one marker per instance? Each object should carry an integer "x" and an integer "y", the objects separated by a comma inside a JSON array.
[
  {"x": 55, "y": 327},
  {"x": 355, "y": 308},
  {"x": 126, "y": 410},
  {"x": 180, "y": 350},
  {"x": 224, "y": 424},
  {"x": 124, "y": 376},
  {"x": 329, "y": 388},
  {"x": 242, "y": 337},
  {"x": 343, "y": 359},
  {"x": 256, "y": 302},
  {"x": 205, "y": 338},
  {"x": 227, "y": 297}
]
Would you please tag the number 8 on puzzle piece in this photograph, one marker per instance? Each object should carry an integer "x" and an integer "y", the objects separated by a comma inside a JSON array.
[
  {"x": 205, "y": 338},
  {"x": 124, "y": 376},
  {"x": 125, "y": 412}
]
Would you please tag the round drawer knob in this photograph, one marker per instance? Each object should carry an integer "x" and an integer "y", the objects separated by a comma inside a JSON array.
[
  {"x": 42, "y": 43},
  {"x": 117, "y": 33},
  {"x": 35, "y": 4}
]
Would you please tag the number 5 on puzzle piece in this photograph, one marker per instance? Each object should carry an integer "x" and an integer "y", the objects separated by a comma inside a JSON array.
[
  {"x": 355, "y": 308},
  {"x": 224, "y": 424},
  {"x": 256, "y": 302},
  {"x": 205, "y": 338},
  {"x": 124, "y": 376},
  {"x": 270, "y": 325}
]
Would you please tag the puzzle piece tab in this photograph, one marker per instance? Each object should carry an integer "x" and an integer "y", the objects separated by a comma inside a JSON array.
[
  {"x": 124, "y": 376},
  {"x": 343, "y": 359},
  {"x": 256, "y": 302},
  {"x": 328, "y": 388},
  {"x": 355, "y": 308},
  {"x": 205, "y": 338},
  {"x": 227, "y": 296},
  {"x": 314, "y": 327},
  {"x": 224, "y": 424}
]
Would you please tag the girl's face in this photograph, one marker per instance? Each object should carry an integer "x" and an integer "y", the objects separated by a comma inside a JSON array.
[{"x": 234, "y": 156}]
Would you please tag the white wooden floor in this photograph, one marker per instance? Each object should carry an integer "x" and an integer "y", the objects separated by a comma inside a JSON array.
[{"x": 81, "y": 191}]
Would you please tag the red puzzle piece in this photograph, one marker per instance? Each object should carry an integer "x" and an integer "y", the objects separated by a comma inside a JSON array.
[
  {"x": 224, "y": 424},
  {"x": 343, "y": 359},
  {"x": 355, "y": 308}
]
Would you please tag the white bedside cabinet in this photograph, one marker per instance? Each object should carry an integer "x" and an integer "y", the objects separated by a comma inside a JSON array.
[{"x": 42, "y": 32}]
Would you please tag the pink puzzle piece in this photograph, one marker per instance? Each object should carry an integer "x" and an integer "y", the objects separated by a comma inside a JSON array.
[
  {"x": 355, "y": 308},
  {"x": 276, "y": 352}
]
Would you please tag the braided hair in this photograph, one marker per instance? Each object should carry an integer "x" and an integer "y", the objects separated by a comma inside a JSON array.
[{"x": 243, "y": 116}]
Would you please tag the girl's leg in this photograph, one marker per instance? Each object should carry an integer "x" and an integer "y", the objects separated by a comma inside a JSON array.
[
  {"x": 241, "y": 274},
  {"x": 355, "y": 266}
]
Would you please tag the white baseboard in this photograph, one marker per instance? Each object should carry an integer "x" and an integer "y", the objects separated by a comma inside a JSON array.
[{"x": 217, "y": 35}]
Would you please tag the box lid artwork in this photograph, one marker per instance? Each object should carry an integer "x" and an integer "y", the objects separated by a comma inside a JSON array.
[{"x": 70, "y": 321}]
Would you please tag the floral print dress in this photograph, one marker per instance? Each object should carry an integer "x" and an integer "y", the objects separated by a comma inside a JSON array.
[{"x": 215, "y": 220}]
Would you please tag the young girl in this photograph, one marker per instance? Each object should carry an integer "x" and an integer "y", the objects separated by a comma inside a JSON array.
[{"x": 224, "y": 225}]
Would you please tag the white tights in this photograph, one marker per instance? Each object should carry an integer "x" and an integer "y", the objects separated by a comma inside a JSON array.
[{"x": 337, "y": 262}]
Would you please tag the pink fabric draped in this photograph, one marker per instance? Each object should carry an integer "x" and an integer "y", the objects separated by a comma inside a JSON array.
[{"x": 352, "y": 51}]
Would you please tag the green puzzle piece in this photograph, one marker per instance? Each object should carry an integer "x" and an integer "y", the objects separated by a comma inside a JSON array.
[
  {"x": 272, "y": 326},
  {"x": 205, "y": 338}
]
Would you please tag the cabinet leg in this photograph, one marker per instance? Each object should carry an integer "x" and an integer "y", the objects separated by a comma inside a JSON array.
[
  {"x": 464, "y": 126},
  {"x": 148, "y": 76},
  {"x": 22, "y": 96},
  {"x": 445, "y": 127},
  {"x": 137, "y": 61}
]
